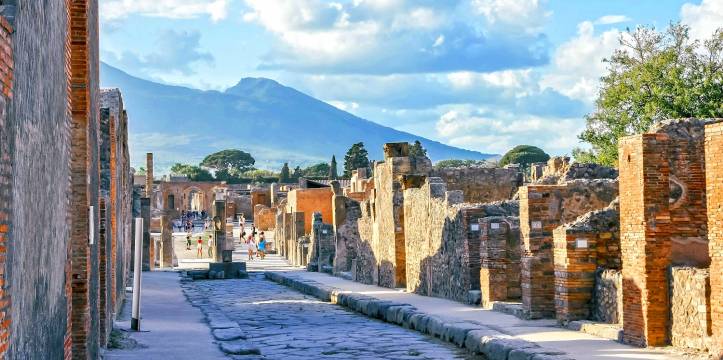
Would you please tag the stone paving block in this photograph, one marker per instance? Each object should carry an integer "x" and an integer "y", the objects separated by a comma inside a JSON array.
[
  {"x": 499, "y": 348},
  {"x": 239, "y": 347},
  {"x": 228, "y": 334},
  {"x": 456, "y": 333},
  {"x": 475, "y": 339}
]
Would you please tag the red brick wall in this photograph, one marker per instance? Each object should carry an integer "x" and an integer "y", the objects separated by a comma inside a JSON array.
[
  {"x": 6, "y": 84},
  {"x": 645, "y": 226},
  {"x": 714, "y": 193}
]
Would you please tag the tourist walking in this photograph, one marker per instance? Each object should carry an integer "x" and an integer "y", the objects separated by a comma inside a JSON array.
[
  {"x": 251, "y": 246},
  {"x": 188, "y": 242},
  {"x": 199, "y": 248},
  {"x": 210, "y": 246},
  {"x": 262, "y": 245}
]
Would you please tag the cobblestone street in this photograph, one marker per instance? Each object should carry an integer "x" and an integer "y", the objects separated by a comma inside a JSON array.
[{"x": 285, "y": 324}]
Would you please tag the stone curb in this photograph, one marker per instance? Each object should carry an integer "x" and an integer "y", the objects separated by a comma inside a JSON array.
[{"x": 476, "y": 338}]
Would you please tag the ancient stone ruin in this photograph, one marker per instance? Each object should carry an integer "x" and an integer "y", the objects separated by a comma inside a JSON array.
[{"x": 637, "y": 248}]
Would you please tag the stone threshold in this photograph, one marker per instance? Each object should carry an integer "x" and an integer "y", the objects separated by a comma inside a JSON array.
[
  {"x": 474, "y": 337},
  {"x": 603, "y": 330}
]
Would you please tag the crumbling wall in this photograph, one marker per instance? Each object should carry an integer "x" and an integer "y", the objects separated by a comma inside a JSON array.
[
  {"x": 581, "y": 248},
  {"x": 322, "y": 246},
  {"x": 542, "y": 209},
  {"x": 346, "y": 228},
  {"x": 690, "y": 308},
  {"x": 559, "y": 170},
  {"x": 443, "y": 240},
  {"x": 481, "y": 184}
]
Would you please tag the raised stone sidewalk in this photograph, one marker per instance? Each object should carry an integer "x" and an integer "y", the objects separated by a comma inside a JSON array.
[{"x": 496, "y": 335}]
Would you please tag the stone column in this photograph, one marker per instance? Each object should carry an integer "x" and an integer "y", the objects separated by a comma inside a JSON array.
[
  {"x": 714, "y": 196},
  {"x": 146, "y": 215},
  {"x": 219, "y": 221},
  {"x": 645, "y": 238},
  {"x": 149, "y": 175},
  {"x": 166, "y": 242}
]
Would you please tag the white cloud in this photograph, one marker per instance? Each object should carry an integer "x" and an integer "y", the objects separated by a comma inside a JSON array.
[
  {"x": 523, "y": 14},
  {"x": 612, "y": 19},
  {"x": 385, "y": 37},
  {"x": 176, "y": 9},
  {"x": 497, "y": 132},
  {"x": 577, "y": 63},
  {"x": 703, "y": 19},
  {"x": 345, "y": 106}
]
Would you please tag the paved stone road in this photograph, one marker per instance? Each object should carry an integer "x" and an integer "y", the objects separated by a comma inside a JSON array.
[{"x": 285, "y": 324}]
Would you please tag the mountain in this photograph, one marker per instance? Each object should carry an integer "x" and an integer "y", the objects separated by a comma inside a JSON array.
[{"x": 273, "y": 122}]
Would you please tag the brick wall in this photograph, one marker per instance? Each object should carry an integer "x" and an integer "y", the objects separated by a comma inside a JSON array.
[
  {"x": 542, "y": 209},
  {"x": 500, "y": 253},
  {"x": 714, "y": 193},
  {"x": 582, "y": 247}
]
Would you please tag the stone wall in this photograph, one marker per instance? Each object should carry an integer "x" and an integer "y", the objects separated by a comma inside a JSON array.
[
  {"x": 322, "y": 246},
  {"x": 481, "y": 184},
  {"x": 607, "y": 299},
  {"x": 442, "y": 237},
  {"x": 714, "y": 197},
  {"x": 690, "y": 308},
  {"x": 36, "y": 316},
  {"x": 542, "y": 209}
]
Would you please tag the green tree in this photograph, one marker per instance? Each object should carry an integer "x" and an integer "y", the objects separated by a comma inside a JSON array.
[
  {"x": 318, "y": 170},
  {"x": 653, "y": 77},
  {"x": 285, "y": 176},
  {"x": 194, "y": 173},
  {"x": 333, "y": 172},
  {"x": 452, "y": 163},
  {"x": 417, "y": 149},
  {"x": 231, "y": 162},
  {"x": 141, "y": 171},
  {"x": 356, "y": 157},
  {"x": 524, "y": 155}
]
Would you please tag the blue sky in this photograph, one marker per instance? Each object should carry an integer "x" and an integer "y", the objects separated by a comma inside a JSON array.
[{"x": 480, "y": 74}]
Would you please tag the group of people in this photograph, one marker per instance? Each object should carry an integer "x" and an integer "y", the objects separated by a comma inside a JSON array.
[
  {"x": 255, "y": 248},
  {"x": 199, "y": 246}
]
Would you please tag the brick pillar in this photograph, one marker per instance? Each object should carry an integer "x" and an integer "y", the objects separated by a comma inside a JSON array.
[
  {"x": 714, "y": 194},
  {"x": 645, "y": 238},
  {"x": 494, "y": 260},
  {"x": 575, "y": 258},
  {"x": 149, "y": 175},
  {"x": 166, "y": 242},
  {"x": 538, "y": 218},
  {"x": 147, "y": 251}
]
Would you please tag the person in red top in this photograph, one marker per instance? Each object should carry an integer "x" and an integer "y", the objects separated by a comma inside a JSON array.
[{"x": 199, "y": 248}]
